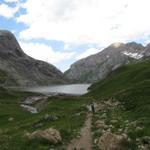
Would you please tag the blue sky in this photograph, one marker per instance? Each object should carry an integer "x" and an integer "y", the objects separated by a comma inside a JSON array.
[{"x": 64, "y": 31}]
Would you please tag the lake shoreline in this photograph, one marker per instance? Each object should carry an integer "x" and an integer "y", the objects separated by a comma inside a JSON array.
[{"x": 57, "y": 90}]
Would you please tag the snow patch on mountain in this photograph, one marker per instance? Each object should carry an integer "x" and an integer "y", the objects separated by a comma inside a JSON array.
[{"x": 133, "y": 55}]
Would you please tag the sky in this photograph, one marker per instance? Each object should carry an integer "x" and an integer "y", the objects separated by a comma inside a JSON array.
[{"x": 63, "y": 31}]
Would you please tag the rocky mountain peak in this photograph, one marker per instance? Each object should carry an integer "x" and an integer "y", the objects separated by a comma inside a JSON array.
[
  {"x": 9, "y": 44},
  {"x": 135, "y": 45},
  {"x": 5, "y": 32},
  {"x": 116, "y": 45},
  {"x": 17, "y": 68},
  {"x": 98, "y": 66}
]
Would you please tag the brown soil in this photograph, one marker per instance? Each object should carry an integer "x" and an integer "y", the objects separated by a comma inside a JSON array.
[{"x": 85, "y": 140}]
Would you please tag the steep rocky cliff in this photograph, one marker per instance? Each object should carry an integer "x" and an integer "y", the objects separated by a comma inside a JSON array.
[
  {"x": 98, "y": 66},
  {"x": 17, "y": 68}
]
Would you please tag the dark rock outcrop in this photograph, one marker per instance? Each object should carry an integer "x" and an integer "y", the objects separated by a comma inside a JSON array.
[
  {"x": 17, "y": 68},
  {"x": 147, "y": 50}
]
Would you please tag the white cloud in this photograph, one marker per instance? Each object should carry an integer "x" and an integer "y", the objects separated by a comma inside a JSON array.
[
  {"x": 86, "y": 21},
  {"x": 45, "y": 52},
  {"x": 7, "y": 11},
  {"x": 88, "y": 52}
]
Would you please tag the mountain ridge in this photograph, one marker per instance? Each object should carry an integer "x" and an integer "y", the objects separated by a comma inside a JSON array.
[
  {"x": 20, "y": 69},
  {"x": 98, "y": 66}
]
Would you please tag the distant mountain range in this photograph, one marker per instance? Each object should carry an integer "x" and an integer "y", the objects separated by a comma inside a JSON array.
[
  {"x": 17, "y": 68},
  {"x": 100, "y": 65}
]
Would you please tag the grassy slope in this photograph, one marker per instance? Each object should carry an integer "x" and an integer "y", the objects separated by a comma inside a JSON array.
[
  {"x": 129, "y": 84},
  {"x": 11, "y": 133},
  {"x": 122, "y": 79}
]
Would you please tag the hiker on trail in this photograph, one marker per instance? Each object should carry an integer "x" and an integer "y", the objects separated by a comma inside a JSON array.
[{"x": 93, "y": 107}]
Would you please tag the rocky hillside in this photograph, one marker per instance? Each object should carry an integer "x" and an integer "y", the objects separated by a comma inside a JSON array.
[
  {"x": 98, "y": 66},
  {"x": 17, "y": 68},
  {"x": 123, "y": 100}
]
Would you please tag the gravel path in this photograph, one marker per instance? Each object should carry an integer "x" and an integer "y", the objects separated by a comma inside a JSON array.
[{"x": 85, "y": 141}]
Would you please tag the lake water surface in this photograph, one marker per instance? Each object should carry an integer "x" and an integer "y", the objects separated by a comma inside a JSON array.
[{"x": 77, "y": 89}]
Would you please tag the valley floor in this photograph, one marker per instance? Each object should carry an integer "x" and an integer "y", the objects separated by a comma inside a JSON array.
[
  {"x": 17, "y": 125},
  {"x": 71, "y": 125}
]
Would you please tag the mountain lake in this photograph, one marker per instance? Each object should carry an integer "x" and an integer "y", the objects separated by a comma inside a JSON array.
[{"x": 75, "y": 89}]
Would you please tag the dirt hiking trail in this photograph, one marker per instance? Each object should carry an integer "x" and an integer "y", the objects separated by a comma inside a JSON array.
[{"x": 85, "y": 140}]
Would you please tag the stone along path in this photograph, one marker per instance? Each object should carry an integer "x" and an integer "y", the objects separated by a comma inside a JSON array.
[{"x": 85, "y": 140}]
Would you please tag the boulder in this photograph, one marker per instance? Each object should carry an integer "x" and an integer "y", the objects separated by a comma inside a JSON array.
[
  {"x": 100, "y": 124},
  {"x": 10, "y": 119},
  {"x": 110, "y": 141},
  {"x": 146, "y": 140},
  {"x": 50, "y": 134},
  {"x": 138, "y": 129},
  {"x": 114, "y": 121}
]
